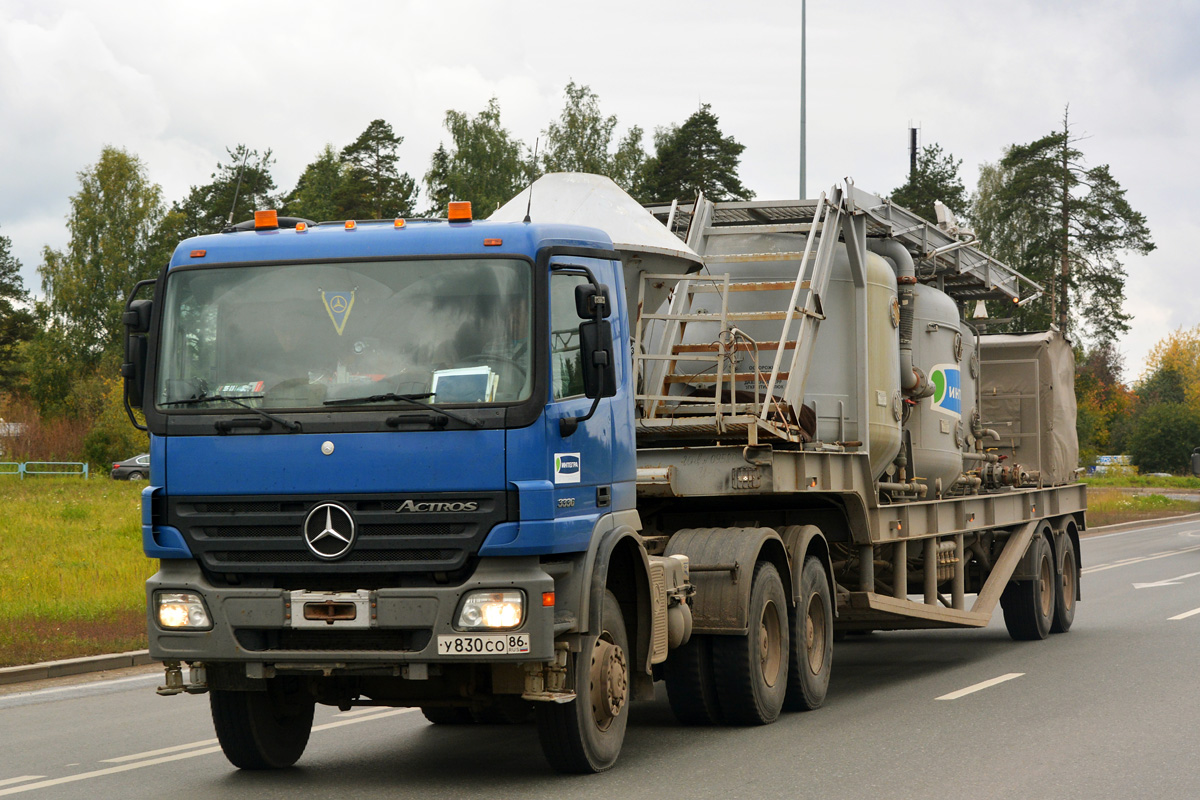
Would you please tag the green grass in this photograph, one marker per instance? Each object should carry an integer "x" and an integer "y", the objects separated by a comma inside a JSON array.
[
  {"x": 1110, "y": 505},
  {"x": 72, "y": 571},
  {"x": 1143, "y": 481}
]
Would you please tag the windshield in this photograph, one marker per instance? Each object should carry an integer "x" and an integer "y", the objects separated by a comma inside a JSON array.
[{"x": 299, "y": 336}]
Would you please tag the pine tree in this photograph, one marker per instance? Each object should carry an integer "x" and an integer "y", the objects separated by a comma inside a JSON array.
[
  {"x": 374, "y": 187},
  {"x": 936, "y": 178},
  {"x": 1066, "y": 226},
  {"x": 692, "y": 158}
]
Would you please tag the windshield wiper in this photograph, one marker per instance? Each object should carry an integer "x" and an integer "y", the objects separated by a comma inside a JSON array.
[
  {"x": 237, "y": 401},
  {"x": 414, "y": 399}
]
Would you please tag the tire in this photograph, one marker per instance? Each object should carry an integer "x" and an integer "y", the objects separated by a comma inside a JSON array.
[
  {"x": 811, "y": 654},
  {"x": 1068, "y": 583},
  {"x": 750, "y": 671},
  {"x": 1029, "y": 605},
  {"x": 445, "y": 715},
  {"x": 585, "y": 735},
  {"x": 135, "y": 476},
  {"x": 690, "y": 688},
  {"x": 263, "y": 730}
]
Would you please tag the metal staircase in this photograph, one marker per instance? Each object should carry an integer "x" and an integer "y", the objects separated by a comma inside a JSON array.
[{"x": 718, "y": 388}]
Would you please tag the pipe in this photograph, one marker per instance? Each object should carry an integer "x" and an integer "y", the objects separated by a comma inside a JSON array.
[
  {"x": 912, "y": 381},
  {"x": 919, "y": 489}
]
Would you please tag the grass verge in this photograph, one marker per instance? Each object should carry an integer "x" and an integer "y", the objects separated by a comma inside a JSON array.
[
  {"x": 1111, "y": 505},
  {"x": 72, "y": 571}
]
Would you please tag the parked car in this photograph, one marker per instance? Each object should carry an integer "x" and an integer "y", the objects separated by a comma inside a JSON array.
[{"x": 132, "y": 469}]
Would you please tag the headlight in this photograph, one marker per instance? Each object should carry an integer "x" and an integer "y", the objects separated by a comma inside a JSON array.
[
  {"x": 182, "y": 610},
  {"x": 491, "y": 611}
]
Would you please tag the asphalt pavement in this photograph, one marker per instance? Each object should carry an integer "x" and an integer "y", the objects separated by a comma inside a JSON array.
[{"x": 1106, "y": 710}]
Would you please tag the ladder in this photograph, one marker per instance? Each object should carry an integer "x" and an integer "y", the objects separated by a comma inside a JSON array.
[{"x": 718, "y": 388}]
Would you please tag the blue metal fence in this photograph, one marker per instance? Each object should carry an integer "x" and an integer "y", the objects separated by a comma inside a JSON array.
[{"x": 23, "y": 468}]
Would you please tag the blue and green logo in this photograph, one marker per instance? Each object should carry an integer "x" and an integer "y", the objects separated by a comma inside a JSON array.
[{"x": 947, "y": 389}]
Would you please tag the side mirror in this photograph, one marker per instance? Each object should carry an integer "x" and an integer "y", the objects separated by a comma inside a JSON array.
[
  {"x": 599, "y": 366},
  {"x": 591, "y": 298},
  {"x": 137, "y": 324}
]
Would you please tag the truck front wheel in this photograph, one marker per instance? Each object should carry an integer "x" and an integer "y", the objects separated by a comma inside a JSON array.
[
  {"x": 263, "y": 730},
  {"x": 585, "y": 735}
]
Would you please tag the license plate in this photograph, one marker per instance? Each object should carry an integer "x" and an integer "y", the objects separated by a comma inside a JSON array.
[{"x": 483, "y": 644}]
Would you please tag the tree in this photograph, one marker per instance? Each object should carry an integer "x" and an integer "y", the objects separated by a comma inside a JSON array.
[
  {"x": 374, "y": 188},
  {"x": 246, "y": 177},
  {"x": 936, "y": 178},
  {"x": 1103, "y": 403},
  {"x": 16, "y": 320},
  {"x": 318, "y": 186},
  {"x": 580, "y": 139},
  {"x": 111, "y": 224},
  {"x": 1173, "y": 369},
  {"x": 692, "y": 158},
  {"x": 1164, "y": 436},
  {"x": 1064, "y": 225},
  {"x": 483, "y": 166}
]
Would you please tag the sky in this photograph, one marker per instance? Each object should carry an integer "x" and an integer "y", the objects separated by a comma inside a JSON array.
[{"x": 177, "y": 83}]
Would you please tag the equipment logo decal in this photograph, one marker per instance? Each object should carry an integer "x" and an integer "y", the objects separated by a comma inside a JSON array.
[
  {"x": 947, "y": 389},
  {"x": 338, "y": 304},
  {"x": 567, "y": 467}
]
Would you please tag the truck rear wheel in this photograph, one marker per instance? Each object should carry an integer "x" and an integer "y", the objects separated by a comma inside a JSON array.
[
  {"x": 585, "y": 735},
  {"x": 1029, "y": 605},
  {"x": 1068, "y": 583},
  {"x": 263, "y": 730},
  {"x": 811, "y": 653},
  {"x": 751, "y": 671},
  {"x": 690, "y": 688}
]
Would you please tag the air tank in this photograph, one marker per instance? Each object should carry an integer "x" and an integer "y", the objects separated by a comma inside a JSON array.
[{"x": 936, "y": 428}]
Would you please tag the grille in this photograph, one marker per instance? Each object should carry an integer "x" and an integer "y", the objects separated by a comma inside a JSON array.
[
  {"x": 405, "y": 641},
  {"x": 308, "y": 559},
  {"x": 265, "y": 534}
]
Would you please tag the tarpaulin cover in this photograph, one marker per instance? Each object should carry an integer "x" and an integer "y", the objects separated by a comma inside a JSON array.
[{"x": 1027, "y": 383}]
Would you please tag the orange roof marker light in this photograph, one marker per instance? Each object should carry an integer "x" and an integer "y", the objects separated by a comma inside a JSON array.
[
  {"x": 301, "y": 227},
  {"x": 492, "y": 242},
  {"x": 459, "y": 211},
  {"x": 199, "y": 253},
  {"x": 399, "y": 223},
  {"x": 350, "y": 225},
  {"x": 266, "y": 220}
]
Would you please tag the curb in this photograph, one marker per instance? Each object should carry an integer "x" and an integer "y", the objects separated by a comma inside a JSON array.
[
  {"x": 1140, "y": 523},
  {"x": 74, "y": 666}
]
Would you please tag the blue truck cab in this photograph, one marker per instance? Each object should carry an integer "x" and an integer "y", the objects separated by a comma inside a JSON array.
[{"x": 393, "y": 462}]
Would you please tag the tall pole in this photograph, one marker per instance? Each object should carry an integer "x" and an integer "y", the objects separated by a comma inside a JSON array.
[{"x": 803, "y": 109}]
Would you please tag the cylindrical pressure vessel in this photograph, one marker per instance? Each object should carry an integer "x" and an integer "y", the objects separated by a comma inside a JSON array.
[{"x": 935, "y": 425}]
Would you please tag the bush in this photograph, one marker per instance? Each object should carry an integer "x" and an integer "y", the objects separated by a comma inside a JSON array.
[{"x": 1164, "y": 436}]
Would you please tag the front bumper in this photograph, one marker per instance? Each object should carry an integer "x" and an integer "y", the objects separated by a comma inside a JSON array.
[{"x": 251, "y": 625}]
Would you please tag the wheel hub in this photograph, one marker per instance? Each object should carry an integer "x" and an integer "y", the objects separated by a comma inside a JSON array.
[{"x": 609, "y": 682}]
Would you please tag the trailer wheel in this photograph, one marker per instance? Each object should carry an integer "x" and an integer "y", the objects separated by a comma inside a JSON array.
[
  {"x": 811, "y": 653},
  {"x": 585, "y": 735},
  {"x": 444, "y": 715},
  {"x": 1029, "y": 605},
  {"x": 751, "y": 671},
  {"x": 1068, "y": 583},
  {"x": 263, "y": 730},
  {"x": 690, "y": 687}
]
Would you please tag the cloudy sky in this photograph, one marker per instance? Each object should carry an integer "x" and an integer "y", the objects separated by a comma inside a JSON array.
[{"x": 175, "y": 83}]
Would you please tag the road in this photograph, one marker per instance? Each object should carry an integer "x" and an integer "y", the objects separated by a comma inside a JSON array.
[{"x": 1107, "y": 710}]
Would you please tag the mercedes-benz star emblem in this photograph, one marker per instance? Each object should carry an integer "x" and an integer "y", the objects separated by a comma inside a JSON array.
[{"x": 329, "y": 531}]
